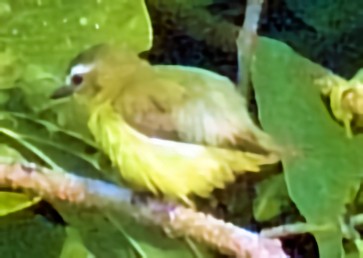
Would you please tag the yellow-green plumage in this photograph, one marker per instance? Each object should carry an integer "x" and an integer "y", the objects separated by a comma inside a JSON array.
[{"x": 168, "y": 129}]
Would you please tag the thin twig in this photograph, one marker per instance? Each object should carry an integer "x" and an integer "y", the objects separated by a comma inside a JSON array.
[
  {"x": 294, "y": 229},
  {"x": 246, "y": 43},
  {"x": 174, "y": 219}
]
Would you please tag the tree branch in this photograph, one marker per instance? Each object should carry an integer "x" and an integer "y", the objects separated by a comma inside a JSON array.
[
  {"x": 175, "y": 220},
  {"x": 246, "y": 43}
]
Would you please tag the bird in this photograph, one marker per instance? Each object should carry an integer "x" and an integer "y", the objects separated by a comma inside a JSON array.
[{"x": 174, "y": 131}]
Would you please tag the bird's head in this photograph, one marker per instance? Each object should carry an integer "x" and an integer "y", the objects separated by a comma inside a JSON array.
[
  {"x": 80, "y": 74},
  {"x": 101, "y": 66}
]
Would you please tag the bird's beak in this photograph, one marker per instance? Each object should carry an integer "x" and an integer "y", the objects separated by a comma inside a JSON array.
[{"x": 62, "y": 92}]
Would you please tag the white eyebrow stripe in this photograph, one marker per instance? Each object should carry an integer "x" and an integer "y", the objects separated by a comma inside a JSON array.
[{"x": 81, "y": 68}]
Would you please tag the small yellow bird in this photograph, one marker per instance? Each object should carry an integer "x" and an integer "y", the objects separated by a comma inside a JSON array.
[{"x": 171, "y": 130}]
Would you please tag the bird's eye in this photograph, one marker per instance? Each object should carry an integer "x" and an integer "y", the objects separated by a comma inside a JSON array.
[{"x": 77, "y": 79}]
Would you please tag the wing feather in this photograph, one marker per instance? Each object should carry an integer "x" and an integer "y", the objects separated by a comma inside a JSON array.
[
  {"x": 191, "y": 105},
  {"x": 162, "y": 166}
]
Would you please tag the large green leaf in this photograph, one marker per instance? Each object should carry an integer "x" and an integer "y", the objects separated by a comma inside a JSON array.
[
  {"x": 321, "y": 165},
  {"x": 49, "y": 33}
]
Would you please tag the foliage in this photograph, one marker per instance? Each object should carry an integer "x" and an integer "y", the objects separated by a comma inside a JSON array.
[
  {"x": 339, "y": 16},
  {"x": 320, "y": 162},
  {"x": 38, "y": 39},
  {"x": 24, "y": 234},
  {"x": 49, "y": 33},
  {"x": 73, "y": 246},
  {"x": 192, "y": 17},
  {"x": 272, "y": 198},
  {"x": 12, "y": 202},
  {"x": 108, "y": 235}
]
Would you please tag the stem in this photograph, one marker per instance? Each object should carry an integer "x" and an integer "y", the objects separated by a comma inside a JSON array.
[
  {"x": 246, "y": 43},
  {"x": 294, "y": 229}
]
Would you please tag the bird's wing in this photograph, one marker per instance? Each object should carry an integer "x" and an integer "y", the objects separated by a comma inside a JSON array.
[
  {"x": 191, "y": 105},
  {"x": 147, "y": 105},
  {"x": 161, "y": 166}
]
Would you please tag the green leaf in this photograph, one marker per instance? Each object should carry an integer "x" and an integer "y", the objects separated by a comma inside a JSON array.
[
  {"x": 49, "y": 33},
  {"x": 73, "y": 246},
  {"x": 359, "y": 245},
  {"x": 31, "y": 147},
  {"x": 10, "y": 69},
  {"x": 321, "y": 165},
  {"x": 25, "y": 235},
  {"x": 37, "y": 85},
  {"x": 11, "y": 202},
  {"x": 45, "y": 143},
  {"x": 70, "y": 114},
  {"x": 111, "y": 235},
  {"x": 271, "y": 198},
  {"x": 9, "y": 155}
]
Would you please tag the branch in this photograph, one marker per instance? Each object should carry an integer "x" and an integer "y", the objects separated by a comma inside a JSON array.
[
  {"x": 246, "y": 43},
  {"x": 175, "y": 220},
  {"x": 294, "y": 229}
]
